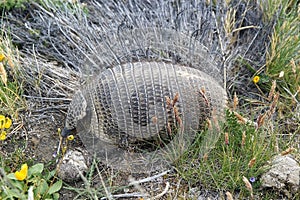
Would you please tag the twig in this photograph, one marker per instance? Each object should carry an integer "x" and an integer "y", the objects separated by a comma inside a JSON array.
[
  {"x": 127, "y": 195},
  {"x": 148, "y": 179},
  {"x": 163, "y": 192},
  {"x": 58, "y": 148},
  {"x": 137, "y": 194}
]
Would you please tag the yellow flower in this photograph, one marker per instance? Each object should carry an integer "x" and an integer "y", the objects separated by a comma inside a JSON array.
[
  {"x": 70, "y": 137},
  {"x": 2, "y": 136},
  {"x": 2, "y": 121},
  {"x": 5, "y": 122},
  {"x": 8, "y": 122},
  {"x": 2, "y": 57},
  {"x": 255, "y": 79},
  {"x": 22, "y": 174}
]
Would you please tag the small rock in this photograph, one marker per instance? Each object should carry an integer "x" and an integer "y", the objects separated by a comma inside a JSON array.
[
  {"x": 72, "y": 165},
  {"x": 284, "y": 175}
]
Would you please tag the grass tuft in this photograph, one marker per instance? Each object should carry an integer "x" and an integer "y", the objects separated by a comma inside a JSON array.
[
  {"x": 11, "y": 101},
  {"x": 241, "y": 151},
  {"x": 283, "y": 58},
  {"x": 10, "y": 4},
  {"x": 240, "y": 156}
]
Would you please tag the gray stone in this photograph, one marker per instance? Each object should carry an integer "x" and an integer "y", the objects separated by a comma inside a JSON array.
[
  {"x": 283, "y": 175},
  {"x": 72, "y": 165}
]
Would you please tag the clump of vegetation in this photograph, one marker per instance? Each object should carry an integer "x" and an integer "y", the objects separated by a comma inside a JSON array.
[
  {"x": 238, "y": 160},
  {"x": 34, "y": 182},
  {"x": 283, "y": 58},
  {"x": 239, "y": 156},
  {"x": 29, "y": 183},
  {"x": 11, "y": 101},
  {"x": 9, "y": 4}
]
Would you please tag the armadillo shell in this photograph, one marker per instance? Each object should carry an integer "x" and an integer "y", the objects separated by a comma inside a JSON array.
[{"x": 146, "y": 113}]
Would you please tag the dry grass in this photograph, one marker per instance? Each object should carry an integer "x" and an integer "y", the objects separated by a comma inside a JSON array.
[{"x": 11, "y": 89}]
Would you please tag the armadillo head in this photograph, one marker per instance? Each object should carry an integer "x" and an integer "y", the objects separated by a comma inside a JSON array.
[{"x": 76, "y": 111}]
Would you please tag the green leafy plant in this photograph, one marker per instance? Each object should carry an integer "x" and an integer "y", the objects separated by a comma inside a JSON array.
[
  {"x": 30, "y": 183},
  {"x": 9, "y": 4}
]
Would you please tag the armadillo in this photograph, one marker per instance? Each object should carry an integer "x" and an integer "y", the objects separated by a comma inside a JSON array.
[{"x": 140, "y": 107}]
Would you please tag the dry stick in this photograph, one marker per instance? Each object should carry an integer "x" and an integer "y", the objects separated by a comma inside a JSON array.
[
  {"x": 128, "y": 195},
  {"x": 149, "y": 178},
  {"x": 244, "y": 27},
  {"x": 136, "y": 194},
  {"x": 136, "y": 184},
  {"x": 58, "y": 149},
  {"x": 163, "y": 192}
]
